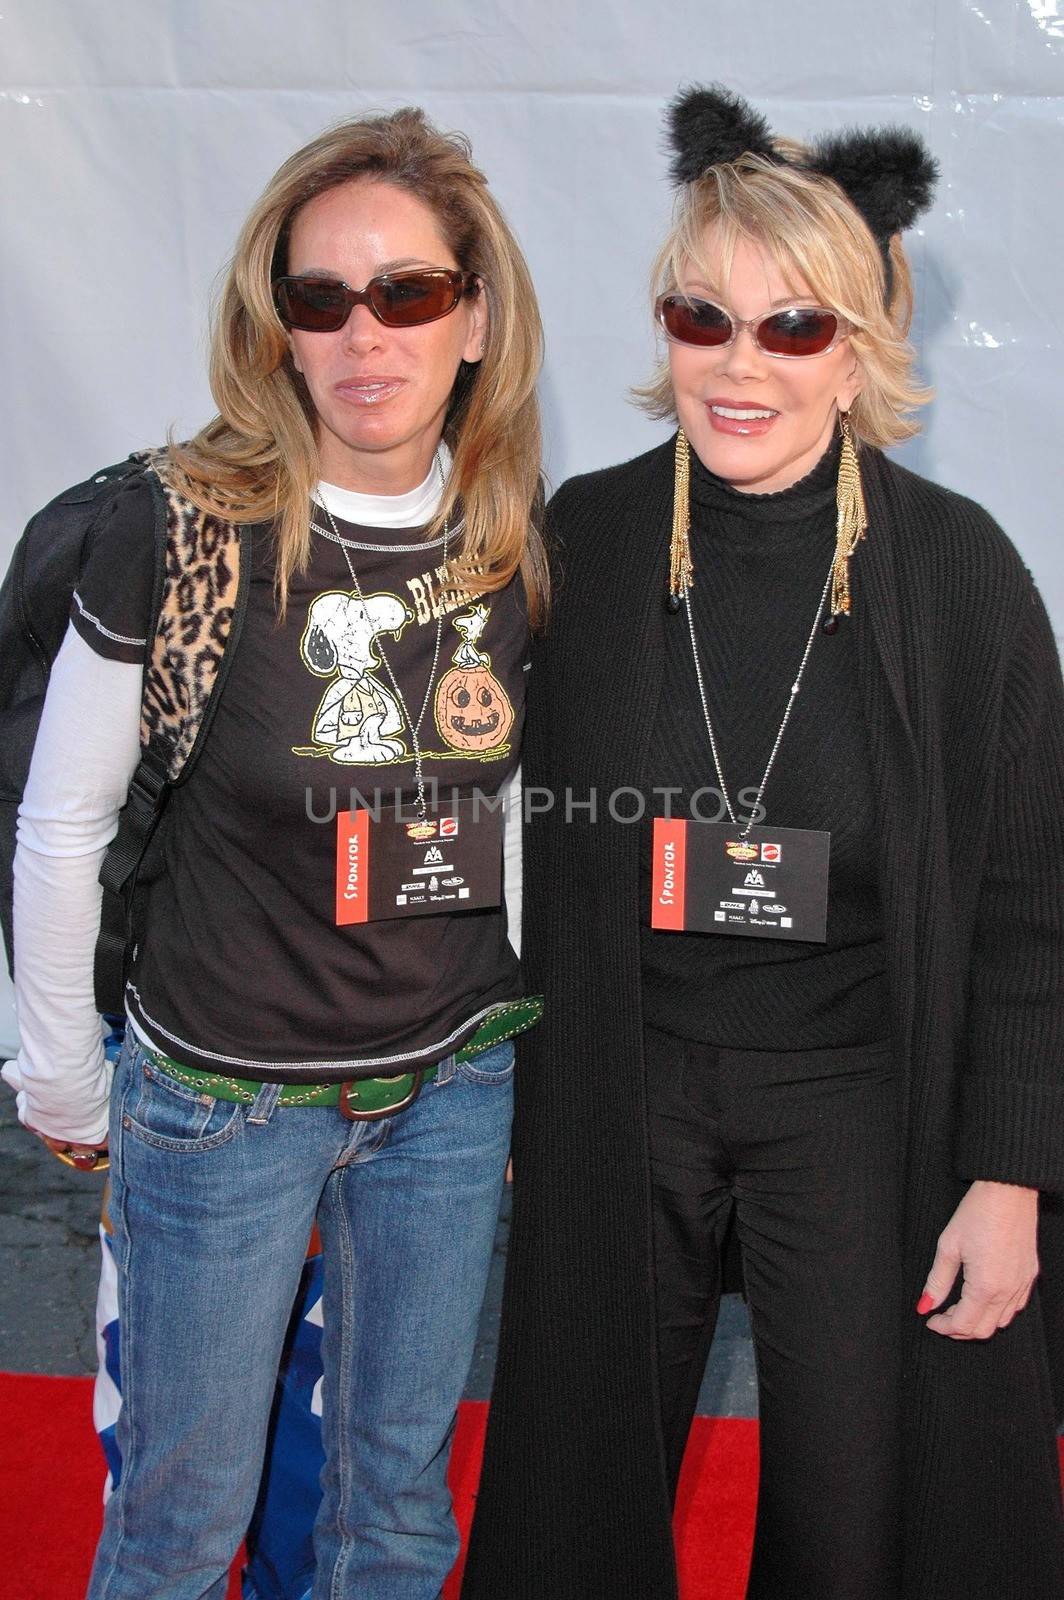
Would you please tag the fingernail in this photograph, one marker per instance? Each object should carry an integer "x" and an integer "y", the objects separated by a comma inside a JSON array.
[{"x": 924, "y": 1304}]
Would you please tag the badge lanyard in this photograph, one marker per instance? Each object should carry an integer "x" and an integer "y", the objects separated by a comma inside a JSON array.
[
  {"x": 415, "y": 727},
  {"x": 795, "y": 686}
]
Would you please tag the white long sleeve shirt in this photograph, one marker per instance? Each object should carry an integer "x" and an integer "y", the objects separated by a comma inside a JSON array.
[{"x": 85, "y": 755}]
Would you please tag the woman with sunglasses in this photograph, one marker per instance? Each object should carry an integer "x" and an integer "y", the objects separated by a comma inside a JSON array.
[
  {"x": 297, "y": 1050},
  {"x": 807, "y": 977}
]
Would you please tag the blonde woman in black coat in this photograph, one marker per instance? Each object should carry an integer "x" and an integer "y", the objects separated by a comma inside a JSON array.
[{"x": 808, "y": 969}]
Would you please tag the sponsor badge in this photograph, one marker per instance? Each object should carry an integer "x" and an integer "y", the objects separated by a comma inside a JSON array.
[
  {"x": 407, "y": 866},
  {"x": 771, "y": 883}
]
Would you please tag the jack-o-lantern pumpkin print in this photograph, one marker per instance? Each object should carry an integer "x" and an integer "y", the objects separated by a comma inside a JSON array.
[{"x": 473, "y": 710}]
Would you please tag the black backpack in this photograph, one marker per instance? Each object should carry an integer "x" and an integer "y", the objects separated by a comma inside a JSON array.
[{"x": 198, "y": 604}]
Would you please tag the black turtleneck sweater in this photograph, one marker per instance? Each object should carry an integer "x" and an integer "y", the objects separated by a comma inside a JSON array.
[{"x": 760, "y": 564}]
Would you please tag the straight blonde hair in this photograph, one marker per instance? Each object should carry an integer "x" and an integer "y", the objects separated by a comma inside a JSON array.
[
  {"x": 813, "y": 232},
  {"x": 257, "y": 460}
]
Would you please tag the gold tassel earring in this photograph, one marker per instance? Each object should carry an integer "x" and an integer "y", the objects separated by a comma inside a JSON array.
[
  {"x": 681, "y": 567},
  {"x": 852, "y": 521}
]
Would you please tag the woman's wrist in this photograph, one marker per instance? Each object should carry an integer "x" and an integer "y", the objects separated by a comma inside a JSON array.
[{"x": 82, "y": 1157}]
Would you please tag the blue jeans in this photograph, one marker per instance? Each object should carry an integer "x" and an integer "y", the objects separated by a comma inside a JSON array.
[{"x": 212, "y": 1205}]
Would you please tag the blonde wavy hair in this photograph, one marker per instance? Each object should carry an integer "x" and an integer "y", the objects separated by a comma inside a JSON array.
[
  {"x": 813, "y": 232},
  {"x": 257, "y": 460}
]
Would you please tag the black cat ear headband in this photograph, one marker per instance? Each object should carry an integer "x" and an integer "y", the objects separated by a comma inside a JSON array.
[{"x": 888, "y": 173}]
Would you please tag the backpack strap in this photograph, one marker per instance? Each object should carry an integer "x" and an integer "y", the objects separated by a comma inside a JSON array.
[
  {"x": 200, "y": 598},
  {"x": 145, "y": 803}
]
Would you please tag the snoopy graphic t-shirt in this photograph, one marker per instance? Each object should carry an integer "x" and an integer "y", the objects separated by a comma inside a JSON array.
[{"x": 242, "y": 967}]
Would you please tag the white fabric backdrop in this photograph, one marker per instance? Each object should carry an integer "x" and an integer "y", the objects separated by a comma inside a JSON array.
[{"x": 136, "y": 133}]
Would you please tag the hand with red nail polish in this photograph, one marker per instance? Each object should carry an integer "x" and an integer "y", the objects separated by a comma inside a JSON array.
[{"x": 992, "y": 1236}]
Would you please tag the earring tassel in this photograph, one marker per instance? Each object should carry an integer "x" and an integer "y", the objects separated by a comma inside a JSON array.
[
  {"x": 681, "y": 568},
  {"x": 852, "y": 522}
]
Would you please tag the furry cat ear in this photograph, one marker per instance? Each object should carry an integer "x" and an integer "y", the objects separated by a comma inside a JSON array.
[
  {"x": 710, "y": 125},
  {"x": 888, "y": 173}
]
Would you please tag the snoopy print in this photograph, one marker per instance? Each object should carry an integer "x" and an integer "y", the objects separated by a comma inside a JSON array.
[{"x": 359, "y": 718}]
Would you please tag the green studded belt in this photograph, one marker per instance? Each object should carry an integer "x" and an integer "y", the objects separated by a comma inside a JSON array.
[{"x": 359, "y": 1099}]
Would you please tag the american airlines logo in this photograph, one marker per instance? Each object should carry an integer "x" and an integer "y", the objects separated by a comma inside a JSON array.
[{"x": 754, "y": 880}]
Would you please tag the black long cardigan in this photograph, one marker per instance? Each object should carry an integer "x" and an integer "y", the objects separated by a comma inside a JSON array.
[{"x": 961, "y": 689}]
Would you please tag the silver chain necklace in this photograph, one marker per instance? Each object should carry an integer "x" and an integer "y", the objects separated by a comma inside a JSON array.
[
  {"x": 415, "y": 727},
  {"x": 795, "y": 686}
]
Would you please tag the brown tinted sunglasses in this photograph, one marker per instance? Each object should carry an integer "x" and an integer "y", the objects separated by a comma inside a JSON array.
[
  {"x": 792, "y": 333},
  {"x": 398, "y": 299}
]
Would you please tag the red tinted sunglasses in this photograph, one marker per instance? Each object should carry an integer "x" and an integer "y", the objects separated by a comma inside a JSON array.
[
  {"x": 398, "y": 299},
  {"x": 794, "y": 332}
]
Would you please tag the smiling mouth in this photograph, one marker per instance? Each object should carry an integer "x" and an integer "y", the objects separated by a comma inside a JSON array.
[
  {"x": 740, "y": 421},
  {"x": 744, "y": 413},
  {"x": 489, "y": 724}
]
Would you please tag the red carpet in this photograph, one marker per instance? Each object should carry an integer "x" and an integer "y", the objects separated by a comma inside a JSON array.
[{"x": 51, "y": 1477}]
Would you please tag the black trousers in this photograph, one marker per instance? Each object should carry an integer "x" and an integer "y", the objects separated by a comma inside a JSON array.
[{"x": 802, "y": 1146}]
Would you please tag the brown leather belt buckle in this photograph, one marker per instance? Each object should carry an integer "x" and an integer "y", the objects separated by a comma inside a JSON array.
[{"x": 360, "y": 1098}]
